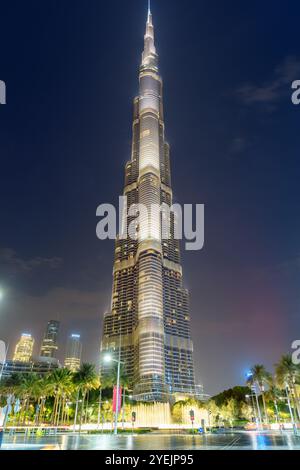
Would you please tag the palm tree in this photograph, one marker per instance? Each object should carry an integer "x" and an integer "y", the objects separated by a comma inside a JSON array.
[
  {"x": 274, "y": 395},
  {"x": 85, "y": 379},
  {"x": 28, "y": 387},
  {"x": 12, "y": 386},
  {"x": 260, "y": 377},
  {"x": 288, "y": 376},
  {"x": 59, "y": 385}
]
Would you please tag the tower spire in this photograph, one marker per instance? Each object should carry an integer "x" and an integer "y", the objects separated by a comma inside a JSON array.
[{"x": 149, "y": 54}]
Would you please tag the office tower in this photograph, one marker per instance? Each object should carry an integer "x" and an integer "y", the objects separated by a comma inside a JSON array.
[
  {"x": 49, "y": 344},
  {"x": 149, "y": 318},
  {"x": 24, "y": 348},
  {"x": 73, "y": 353}
]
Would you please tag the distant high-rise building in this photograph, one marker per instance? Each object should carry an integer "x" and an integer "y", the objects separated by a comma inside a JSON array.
[
  {"x": 73, "y": 353},
  {"x": 24, "y": 348},
  {"x": 149, "y": 319},
  {"x": 49, "y": 343}
]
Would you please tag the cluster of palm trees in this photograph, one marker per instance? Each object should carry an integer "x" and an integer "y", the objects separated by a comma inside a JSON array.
[
  {"x": 281, "y": 387},
  {"x": 28, "y": 394},
  {"x": 62, "y": 395}
]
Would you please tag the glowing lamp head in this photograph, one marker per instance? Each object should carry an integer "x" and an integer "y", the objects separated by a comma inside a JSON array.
[{"x": 107, "y": 358}]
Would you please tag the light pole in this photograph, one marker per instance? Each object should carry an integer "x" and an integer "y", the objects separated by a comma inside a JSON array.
[
  {"x": 76, "y": 411},
  {"x": 248, "y": 397},
  {"x": 253, "y": 388},
  {"x": 108, "y": 358},
  {"x": 290, "y": 408},
  {"x": 5, "y": 349},
  {"x": 99, "y": 408},
  {"x": 4, "y": 360}
]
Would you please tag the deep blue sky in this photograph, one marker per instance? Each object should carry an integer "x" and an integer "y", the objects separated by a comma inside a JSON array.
[{"x": 65, "y": 134}]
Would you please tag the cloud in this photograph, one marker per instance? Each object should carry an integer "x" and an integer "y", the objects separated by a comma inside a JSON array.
[
  {"x": 14, "y": 264},
  {"x": 271, "y": 92}
]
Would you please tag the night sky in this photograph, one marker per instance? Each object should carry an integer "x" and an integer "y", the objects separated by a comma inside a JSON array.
[{"x": 71, "y": 71}]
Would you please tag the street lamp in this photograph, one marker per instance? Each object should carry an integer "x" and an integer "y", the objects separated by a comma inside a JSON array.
[
  {"x": 287, "y": 390},
  {"x": 107, "y": 359},
  {"x": 3, "y": 357},
  {"x": 249, "y": 376}
]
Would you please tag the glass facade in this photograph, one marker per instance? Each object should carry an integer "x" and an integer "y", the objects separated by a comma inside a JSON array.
[
  {"x": 149, "y": 318},
  {"x": 49, "y": 345},
  {"x": 73, "y": 353},
  {"x": 24, "y": 348}
]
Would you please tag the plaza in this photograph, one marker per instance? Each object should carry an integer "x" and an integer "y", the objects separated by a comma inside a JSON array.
[{"x": 241, "y": 440}]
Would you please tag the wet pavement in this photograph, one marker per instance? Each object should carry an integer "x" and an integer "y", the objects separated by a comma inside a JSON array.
[{"x": 230, "y": 441}]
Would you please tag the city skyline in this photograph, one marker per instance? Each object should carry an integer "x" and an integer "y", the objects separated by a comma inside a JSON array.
[{"x": 233, "y": 148}]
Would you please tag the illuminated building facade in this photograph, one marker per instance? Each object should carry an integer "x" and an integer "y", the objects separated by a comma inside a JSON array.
[
  {"x": 24, "y": 348},
  {"x": 149, "y": 318},
  {"x": 73, "y": 353},
  {"x": 49, "y": 344},
  {"x": 38, "y": 365}
]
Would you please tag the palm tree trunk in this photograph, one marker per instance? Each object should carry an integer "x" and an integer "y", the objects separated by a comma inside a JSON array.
[
  {"x": 86, "y": 408},
  {"x": 24, "y": 411},
  {"x": 59, "y": 410},
  {"x": 81, "y": 412},
  {"x": 296, "y": 401},
  {"x": 265, "y": 408},
  {"x": 41, "y": 411},
  {"x": 63, "y": 411},
  {"x": 54, "y": 412}
]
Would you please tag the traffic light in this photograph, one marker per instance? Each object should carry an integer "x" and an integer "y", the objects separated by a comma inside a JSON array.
[
  {"x": 133, "y": 416},
  {"x": 192, "y": 415}
]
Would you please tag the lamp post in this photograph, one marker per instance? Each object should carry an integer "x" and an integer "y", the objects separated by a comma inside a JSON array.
[
  {"x": 253, "y": 388},
  {"x": 290, "y": 408},
  {"x": 248, "y": 397},
  {"x": 4, "y": 361},
  {"x": 5, "y": 349},
  {"x": 108, "y": 358},
  {"x": 99, "y": 408}
]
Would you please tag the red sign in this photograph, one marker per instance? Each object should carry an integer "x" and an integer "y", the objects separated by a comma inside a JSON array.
[{"x": 115, "y": 399}]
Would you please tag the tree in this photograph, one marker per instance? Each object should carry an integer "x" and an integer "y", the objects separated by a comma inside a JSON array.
[
  {"x": 85, "y": 379},
  {"x": 261, "y": 378},
  {"x": 288, "y": 376},
  {"x": 59, "y": 384},
  {"x": 230, "y": 411},
  {"x": 273, "y": 395}
]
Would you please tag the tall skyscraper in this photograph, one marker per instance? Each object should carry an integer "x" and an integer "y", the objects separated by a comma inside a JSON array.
[
  {"x": 49, "y": 344},
  {"x": 73, "y": 353},
  {"x": 24, "y": 348},
  {"x": 149, "y": 318}
]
